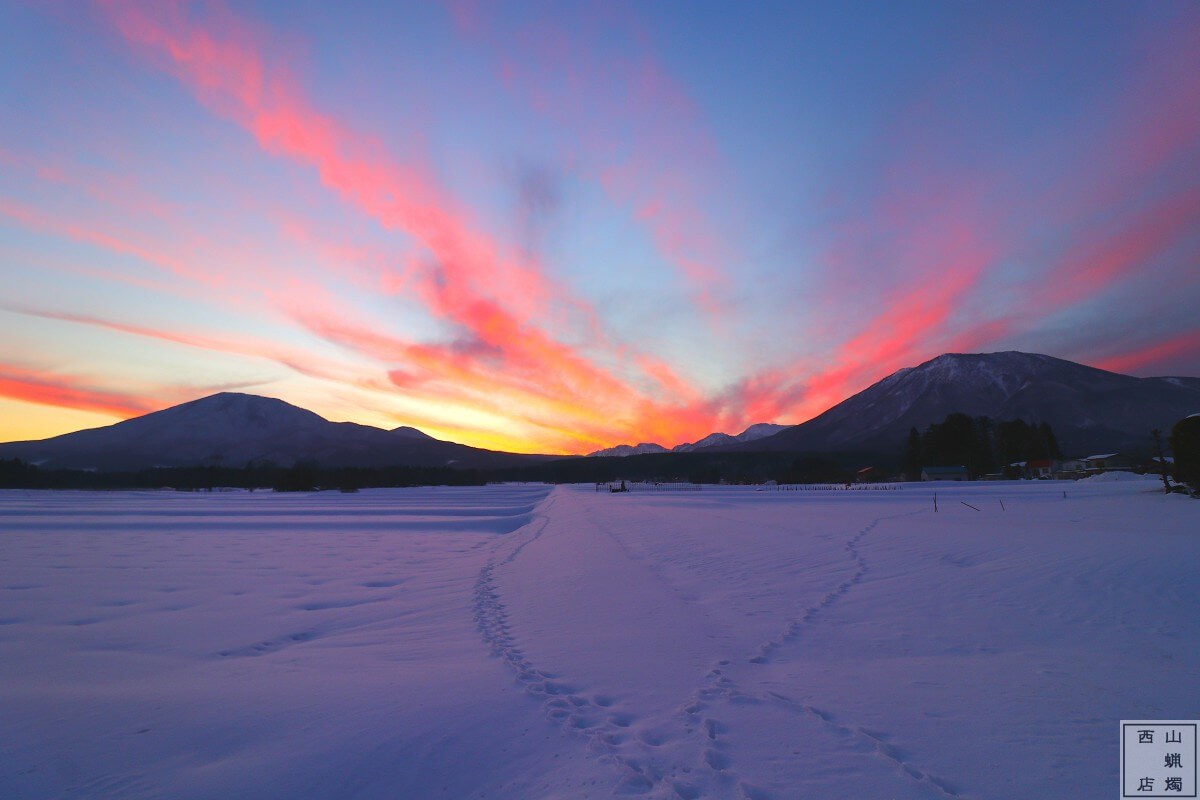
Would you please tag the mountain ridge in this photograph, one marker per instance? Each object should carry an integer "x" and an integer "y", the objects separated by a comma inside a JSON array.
[
  {"x": 235, "y": 429},
  {"x": 758, "y": 430},
  {"x": 1087, "y": 407}
]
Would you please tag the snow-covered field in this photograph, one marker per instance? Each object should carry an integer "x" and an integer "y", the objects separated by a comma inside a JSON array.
[{"x": 529, "y": 642}]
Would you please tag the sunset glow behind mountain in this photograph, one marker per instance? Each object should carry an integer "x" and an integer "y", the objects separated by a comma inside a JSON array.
[{"x": 556, "y": 227}]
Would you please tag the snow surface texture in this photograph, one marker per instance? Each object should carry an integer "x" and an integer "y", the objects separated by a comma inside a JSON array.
[{"x": 523, "y": 642}]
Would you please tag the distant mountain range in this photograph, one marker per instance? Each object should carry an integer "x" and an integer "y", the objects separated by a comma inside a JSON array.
[
  {"x": 232, "y": 430},
  {"x": 753, "y": 433},
  {"x": 1090, "y": 410},
  {"x": 622, "y": 450}
]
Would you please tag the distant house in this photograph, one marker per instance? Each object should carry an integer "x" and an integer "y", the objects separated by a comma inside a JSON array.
[
  {"x": 1035, "y": 468},
  {"x": 958, "y": 473},
  {"x": 1075, "y": 468},
  {"x": 1071, "y": 469},
  {"x": 1042, "y": 467},
  {"x": 870, "y": 475},
  {"x": 1108, "y": 462}
]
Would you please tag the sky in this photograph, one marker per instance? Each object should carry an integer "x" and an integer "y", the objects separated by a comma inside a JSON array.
[{"x": 555, "y": 227}]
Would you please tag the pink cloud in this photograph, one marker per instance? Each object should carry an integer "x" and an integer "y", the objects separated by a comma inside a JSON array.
[
  {"x": 300, "y": 361},
  {"x": 653, "y": 154},
  {"x": 33, "y": 219},
  {"x": 469, "y": 279},
  {"x": 53, "y": 390},
  {"x": 934, "y": 236},
  {"x": 1095, "y": 265},
  {"x": 1143, "y": 358}
]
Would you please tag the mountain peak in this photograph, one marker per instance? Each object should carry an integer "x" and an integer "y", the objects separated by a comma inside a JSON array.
[
  {"x": 234, "y": 400},
  {"x": 1010, "y": 359},
  {"x": 410, "y": 432},
  {"x": 234, "y": 429},
  {"x": 760, "y": 430},
  {"x": 228, "y": 408},
  {"x": 1086, "y": 407}
]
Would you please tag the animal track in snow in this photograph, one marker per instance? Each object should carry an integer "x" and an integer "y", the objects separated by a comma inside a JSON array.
[
  {"x": 874, "y": 739},
  {"x": 650, "y": 752},
  {"x": 793, "y": 628}
]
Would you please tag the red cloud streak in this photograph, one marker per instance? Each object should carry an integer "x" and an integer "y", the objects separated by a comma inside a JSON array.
[
  {"x": 33, "y": 387},
  {"x": 1098, "y": 265},
  {"x": 470, "y": 282},
  {"x": 654, "y": 141},
  {"x": 503, "y": 357},
  {"x": 1142, "y": 358}
]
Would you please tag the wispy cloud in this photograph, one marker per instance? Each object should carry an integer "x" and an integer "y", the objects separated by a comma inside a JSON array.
[
  {"x": 468, "y": 278},
  {"x": 635, "y": 130},
  {"x": 373, "y": 271},
  {"x": 1150, "y": 356},
  {"x": 31, "y": 386}
]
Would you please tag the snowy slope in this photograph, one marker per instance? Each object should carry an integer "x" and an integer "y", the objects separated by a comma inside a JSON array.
[
  {"x": 526, "y": 644},
  {"x": 799, "y": 645},
  {"x": 262, "y": 646}
]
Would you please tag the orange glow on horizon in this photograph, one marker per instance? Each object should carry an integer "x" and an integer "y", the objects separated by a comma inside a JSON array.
[{"x": 618, "y": 259}]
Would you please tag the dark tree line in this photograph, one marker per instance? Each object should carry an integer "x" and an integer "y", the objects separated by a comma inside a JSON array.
[
  {"x": 980, "y": 444},
  {"x": 692, "y": 467},
  {"x": 307, "y": 476},
  {"x": 303, "y": 476},
  {"x": 16, "y": 474},
  {"x": 1185, "y": 444}
]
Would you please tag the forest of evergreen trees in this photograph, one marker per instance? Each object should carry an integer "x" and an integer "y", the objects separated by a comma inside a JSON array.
[
  {"x": 303, "y": 476},
  {"x": 695, "y": 467},
  {"x": 981, "y": 444}
]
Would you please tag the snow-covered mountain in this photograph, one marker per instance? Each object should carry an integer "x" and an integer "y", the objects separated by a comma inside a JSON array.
[
  {"x": 712, "y": 440},
  {"x": 760, "y": 430},
  {"x": 757, "y": 431},
  {"x": 631, "y": 450},
  {"x": 232, "y": 429},
  {"x": 1088, "y": 408}
]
